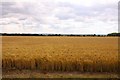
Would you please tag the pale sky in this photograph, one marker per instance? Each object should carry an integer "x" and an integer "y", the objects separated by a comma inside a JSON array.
[{"x": 59, "y": 16}]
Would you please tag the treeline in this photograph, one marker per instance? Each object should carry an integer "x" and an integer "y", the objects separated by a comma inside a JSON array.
[
  {"x": 83, "y": 35},
  {"x": 114, "y": 34}
]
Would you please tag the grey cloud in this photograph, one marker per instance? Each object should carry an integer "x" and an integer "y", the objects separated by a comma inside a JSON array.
[
  {"x": 63, "y": 16},
  {"x": 13, "y": 7},
  {"x": 7, "y": 8},
  {"x": 56, "y": 16}
]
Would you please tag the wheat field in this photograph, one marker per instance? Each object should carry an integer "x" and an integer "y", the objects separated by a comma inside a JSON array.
[{"x": 64, "y": 54}]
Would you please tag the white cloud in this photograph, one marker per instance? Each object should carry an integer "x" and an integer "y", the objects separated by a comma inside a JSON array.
[{"x": 60, "y": 16}]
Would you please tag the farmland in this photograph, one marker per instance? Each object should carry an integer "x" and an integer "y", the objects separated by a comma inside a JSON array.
[{"x": 60, "y": 54}]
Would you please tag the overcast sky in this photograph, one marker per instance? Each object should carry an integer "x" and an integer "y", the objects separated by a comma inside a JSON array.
[{"x": 59, "y": 16}]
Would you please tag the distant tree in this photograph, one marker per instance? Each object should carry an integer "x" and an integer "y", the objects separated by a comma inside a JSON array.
[{"x": 113, "y": 34}]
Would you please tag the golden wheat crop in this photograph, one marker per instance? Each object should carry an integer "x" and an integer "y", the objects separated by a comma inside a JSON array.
[{"x": 82, "y": 54}]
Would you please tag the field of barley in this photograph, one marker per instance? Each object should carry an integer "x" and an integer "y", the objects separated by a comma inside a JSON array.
[{"x": 60, "y": 54}]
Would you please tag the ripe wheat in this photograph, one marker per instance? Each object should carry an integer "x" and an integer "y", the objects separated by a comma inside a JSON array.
[{"x": 82, "y": 54}]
